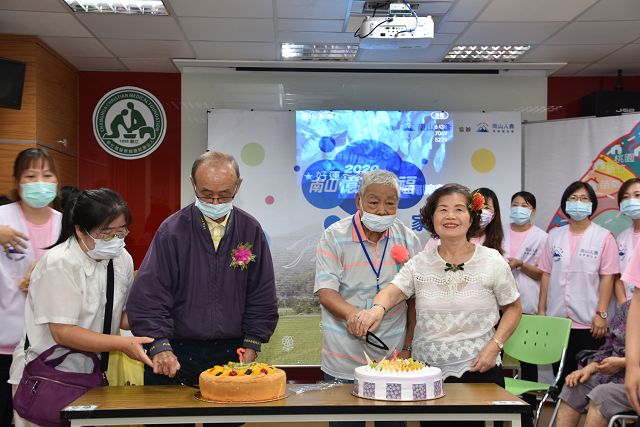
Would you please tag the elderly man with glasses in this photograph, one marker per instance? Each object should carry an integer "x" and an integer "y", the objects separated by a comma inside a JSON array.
[
  {"x": 206, "y": 286},
  {"x": 356, "y": 258}
]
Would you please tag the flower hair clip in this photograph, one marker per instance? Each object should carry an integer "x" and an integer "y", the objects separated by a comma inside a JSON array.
[{"x": 477, "y": 203}]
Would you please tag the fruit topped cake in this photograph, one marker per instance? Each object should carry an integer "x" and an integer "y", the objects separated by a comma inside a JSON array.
[
  {"x": 398, "y": 379},
  {"x": 243, "y": 382}
]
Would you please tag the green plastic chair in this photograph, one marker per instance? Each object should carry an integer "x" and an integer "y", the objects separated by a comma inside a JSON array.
[{"x": 539, "y": 340}]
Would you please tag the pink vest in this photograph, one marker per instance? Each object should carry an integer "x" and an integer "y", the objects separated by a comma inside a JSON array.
[{"x": 575, "y": 283}]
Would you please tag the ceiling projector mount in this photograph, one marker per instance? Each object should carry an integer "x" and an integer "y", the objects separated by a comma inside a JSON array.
[{"x": 401, "y": 28}]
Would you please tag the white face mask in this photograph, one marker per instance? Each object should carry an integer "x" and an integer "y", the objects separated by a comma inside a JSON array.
[
  {"x": 377, "y": 223},
  {"x": 105, "y": 249},
  {"x": 485, "y": 218}
]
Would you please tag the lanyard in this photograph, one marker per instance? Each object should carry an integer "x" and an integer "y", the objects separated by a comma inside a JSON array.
[{"x": 384, "y": 251}]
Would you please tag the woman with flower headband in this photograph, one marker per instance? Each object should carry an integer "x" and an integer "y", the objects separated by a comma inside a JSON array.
[
  {"x": 459, "y": 289},
  {"x": 579, "y": 262},
  {"x": 489, "y": 232}
]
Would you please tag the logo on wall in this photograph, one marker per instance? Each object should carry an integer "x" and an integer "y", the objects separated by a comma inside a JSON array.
[{"x": 129, "y": 122}]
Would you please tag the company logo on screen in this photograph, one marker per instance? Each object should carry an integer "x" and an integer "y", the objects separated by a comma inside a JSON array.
[
  {"x": 503, "y": 127},
  {"x": 129, "y": 122}
]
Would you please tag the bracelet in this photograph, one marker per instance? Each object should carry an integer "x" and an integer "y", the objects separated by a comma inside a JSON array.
[
  {"x": 406, "y": 348},
  {"x": 380, "y": 305}
]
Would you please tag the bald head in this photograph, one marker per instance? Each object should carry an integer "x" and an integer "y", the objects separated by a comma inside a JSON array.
[{"x": 215, "y": 160}]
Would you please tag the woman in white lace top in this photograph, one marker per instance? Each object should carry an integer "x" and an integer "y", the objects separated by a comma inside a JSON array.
[{"x": 459, "y": 289}]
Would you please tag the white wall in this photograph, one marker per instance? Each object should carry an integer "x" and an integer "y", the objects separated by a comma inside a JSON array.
[{"x": 304, "y": 90}]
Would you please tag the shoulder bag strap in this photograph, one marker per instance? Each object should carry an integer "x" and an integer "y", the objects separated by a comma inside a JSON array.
[{"x": 108, "y": 313}]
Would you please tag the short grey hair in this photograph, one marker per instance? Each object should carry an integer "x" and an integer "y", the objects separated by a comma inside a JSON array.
[
  {"x": 381, "y": 177},
  {"x": 214, "y": 158}
]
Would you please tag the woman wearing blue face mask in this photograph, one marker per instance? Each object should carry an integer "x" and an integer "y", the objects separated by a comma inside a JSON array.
[
  {"x": 629, "y": 202},
  {"x": 66, "y": 304},
  {"x": 579, "y": 262},
  {"x": 523, "y": 243},
  {"x": 27, "y": 227}
]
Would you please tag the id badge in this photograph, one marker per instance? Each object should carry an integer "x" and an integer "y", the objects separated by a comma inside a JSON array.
[{"x": 369, "y": 303}]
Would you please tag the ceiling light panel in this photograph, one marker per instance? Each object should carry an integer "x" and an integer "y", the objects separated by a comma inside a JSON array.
[
  {"x": 129, "y": 7},
  {"x": 485, "y": 53},
  {"x": 319, "y": 51}
]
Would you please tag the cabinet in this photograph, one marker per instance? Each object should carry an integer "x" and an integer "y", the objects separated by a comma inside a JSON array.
[{"x": 48, "y": 117}]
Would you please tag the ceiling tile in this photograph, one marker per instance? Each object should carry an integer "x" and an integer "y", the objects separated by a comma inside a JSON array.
[
  {"x": 568, "y": 53},
  {"x": 451, "y": 27},
  {"x": 530, "y": 11},
  {"x": 328, "y": 25},
  {"x": 222, "y": 8},
  {"x": 569, "y": 70},
  {"x": 41, "y": 24},
  {"x": 312, "y": 9},
  {"x": 235, "y": 50},
  {"x": 96, "y": 64},
  {"x": 316, "y": 37},
  {"x": 508, "y": 33},
  {"x": 149, "y": 48},
  {"x": 34, "y": 5},
  {"x": 150, "y": 65},
  {"x": 72, "y": 46},
  {"x": 444, "y": 39},
  {"x": 629, "y": 53},
  {"x": 631, "y": 69},
  {"x": 132, "y": 26},
  {"x": 433, "y": 7},
  {"x": 612, "y": 10},
  {"x": 228, "y": 29},
  {"x": 466, "y": 10},
  {"x": 597, "y": 33}
]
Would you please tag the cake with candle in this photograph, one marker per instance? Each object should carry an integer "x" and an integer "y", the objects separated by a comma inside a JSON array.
[
  {"x": 398, "y": 379},
  {"x": 242, "y": 382}
]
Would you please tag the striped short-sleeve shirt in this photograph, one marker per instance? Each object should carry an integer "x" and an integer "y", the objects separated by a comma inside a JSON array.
[{"x": 341, "y": 265}]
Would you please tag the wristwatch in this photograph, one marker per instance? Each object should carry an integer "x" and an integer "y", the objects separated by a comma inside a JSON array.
[{"x": 602, "y": 313}]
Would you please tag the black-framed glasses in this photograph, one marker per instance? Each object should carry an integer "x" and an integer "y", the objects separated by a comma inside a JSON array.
[{"x": 373, "y": 340}]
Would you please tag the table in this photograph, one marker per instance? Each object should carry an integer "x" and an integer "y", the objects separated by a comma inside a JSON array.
[{"x": 177, "y": 404}]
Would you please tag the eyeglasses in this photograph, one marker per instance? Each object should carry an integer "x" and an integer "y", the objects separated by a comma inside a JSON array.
[
  {"x": 107, "y": 236},
  {"x": 579, "y": 199},
  {"x": 224, "y": 197},
  {"x": 376, "y": 342}
]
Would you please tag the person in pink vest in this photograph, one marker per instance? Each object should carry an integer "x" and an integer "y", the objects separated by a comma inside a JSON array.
[
  {"x": 579, "y": 262},
  {"x": 631, "y": 275},
  {"x": 629, "y": 202},
  {"x": 27, "y": 228}
]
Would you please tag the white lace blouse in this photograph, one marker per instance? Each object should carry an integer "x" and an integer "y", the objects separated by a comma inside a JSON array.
[{"x": 456, "y": 310}]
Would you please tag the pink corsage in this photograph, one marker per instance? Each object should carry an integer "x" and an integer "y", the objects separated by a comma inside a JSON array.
[
  {"x": 400, "y": 254},
  {"x": 241, "y": 256}
]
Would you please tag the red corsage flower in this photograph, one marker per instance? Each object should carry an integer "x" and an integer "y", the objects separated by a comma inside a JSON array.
[
  {"x": 399, "y": 253},
  {"x": 241, "y": 256},
  {"x": 477, "y": 203}
]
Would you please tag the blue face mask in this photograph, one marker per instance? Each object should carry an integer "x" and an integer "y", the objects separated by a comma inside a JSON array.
[
  {"x": 38, "y": 194},
  {"x": 214, "y": 211},
  {"x": 578, "y": 210},
  {"x": 631, "y": 208},
  {"x": 520, "y": 215}
]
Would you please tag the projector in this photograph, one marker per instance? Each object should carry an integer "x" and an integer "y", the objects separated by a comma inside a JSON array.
[{"x": 396, "y": 32}]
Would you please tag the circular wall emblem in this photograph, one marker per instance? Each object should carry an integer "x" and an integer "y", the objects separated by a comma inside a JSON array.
[{"x": 129, "y": 122}]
